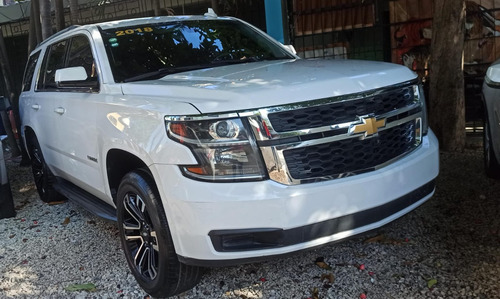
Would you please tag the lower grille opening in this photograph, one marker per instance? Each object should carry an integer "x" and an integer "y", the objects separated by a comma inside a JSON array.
[{"x": 246, "y": 239}]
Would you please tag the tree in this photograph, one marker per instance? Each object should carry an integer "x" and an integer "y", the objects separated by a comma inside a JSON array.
[
  {"x": 156, "y": 7},
  {"x": 74, "y": 13},
  {"x": 447, "y": 100},
  {"x": 45, "y": 18},
  {"x": 59, "y": 8}
]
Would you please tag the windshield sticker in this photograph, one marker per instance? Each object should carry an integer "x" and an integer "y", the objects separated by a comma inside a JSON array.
[{"x": 133, "y": 31}]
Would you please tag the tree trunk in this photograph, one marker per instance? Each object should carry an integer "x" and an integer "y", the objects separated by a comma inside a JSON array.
[
  {"x": 215, "y": 6},
  {"x": 32, "y": 39},
  {"x": 74, "y": 13},
  {"x": 59, "y": 8},
  {"x": 36, "y": 19},
  {"x": 45, "y": 19},
  {"x": 447, "y": 102},
  {"x": 156, "y": 7}
]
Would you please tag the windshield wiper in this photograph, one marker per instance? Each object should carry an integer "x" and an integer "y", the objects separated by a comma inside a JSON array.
[{"x": 163, "y": 72}]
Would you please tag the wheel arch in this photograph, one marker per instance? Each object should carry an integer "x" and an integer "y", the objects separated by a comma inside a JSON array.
[{"x": 116, "y": 169}]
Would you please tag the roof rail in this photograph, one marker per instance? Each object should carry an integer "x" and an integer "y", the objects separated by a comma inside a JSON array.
[{"x": 58, "y": 33}]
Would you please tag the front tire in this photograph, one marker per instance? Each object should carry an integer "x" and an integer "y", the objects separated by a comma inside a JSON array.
[
  {"x": 146, "y": 239},
  {"x": 491, "y": 164}
]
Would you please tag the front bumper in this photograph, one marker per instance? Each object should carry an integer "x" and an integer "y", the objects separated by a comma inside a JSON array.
[{"x": 229, "y": 223}]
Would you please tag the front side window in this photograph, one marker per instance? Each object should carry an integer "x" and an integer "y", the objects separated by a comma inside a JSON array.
[
  {"x": 151, "y": 51},
  {"x": 80, "y": 54},
  {"x": 30, "y": 71},
  {"x": 54, "y": 60},
  {"x": 72, "y": 52}
]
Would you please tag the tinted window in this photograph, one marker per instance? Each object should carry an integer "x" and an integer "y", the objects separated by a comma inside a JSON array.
[
  {"x": 54, "y": 60},
  {"x": 137, "y": 51},
  {"x": 80, "y": 54},
  {"x": 72, "y": 52},
  {"x": 30, "y": 71}
]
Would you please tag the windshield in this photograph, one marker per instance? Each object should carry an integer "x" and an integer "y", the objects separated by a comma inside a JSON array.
[{"x": 151, "y": 51}]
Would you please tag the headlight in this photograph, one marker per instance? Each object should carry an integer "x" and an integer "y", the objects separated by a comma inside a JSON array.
[
  {"x": 223, "y": 147},
  {"x": 420, "y": 93}
]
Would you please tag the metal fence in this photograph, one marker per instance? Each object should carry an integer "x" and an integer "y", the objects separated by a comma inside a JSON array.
[{"x": 338, "y": 29}]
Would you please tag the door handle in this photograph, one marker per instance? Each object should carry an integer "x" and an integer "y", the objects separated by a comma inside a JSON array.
[
  {"x": 35, "y": 107},
  {"x": 60, "y": 110}
]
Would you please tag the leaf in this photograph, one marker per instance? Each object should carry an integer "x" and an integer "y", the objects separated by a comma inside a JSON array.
[
  {"x": 66, "y": 221},
  {"x": 328, "y": 277},
  {"x": 323, "y": 265},
  {"x": 89, "y": 287},
  {"x": 375, "y": 239},
  {"x": 431, "y": 282},
  {"x": 315, "y": 293},
  {"x": 320, "y": 262},
  {"x": 383, "y": 239}
]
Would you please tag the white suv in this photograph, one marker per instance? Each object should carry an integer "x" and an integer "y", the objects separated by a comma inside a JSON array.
[{"x": 213, "y": 144}]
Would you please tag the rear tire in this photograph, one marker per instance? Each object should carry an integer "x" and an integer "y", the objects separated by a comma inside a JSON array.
[
  {"x": 491, "y": 164},
  {"x": 146, "y": 239},
  {"x": 44, "y": 179}
]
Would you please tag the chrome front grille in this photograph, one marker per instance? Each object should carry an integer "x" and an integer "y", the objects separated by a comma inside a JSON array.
[
  {"x": 342, "y": 111},
  {"x": 342, "y": 136},
  {"x": 351, "y": 155}
]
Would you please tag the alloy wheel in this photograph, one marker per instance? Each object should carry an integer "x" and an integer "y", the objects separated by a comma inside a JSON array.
[{"x": 140, "y": 236}]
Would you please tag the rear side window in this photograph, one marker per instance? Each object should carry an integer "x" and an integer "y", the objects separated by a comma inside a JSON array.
[{"x": 30, "y": 71}]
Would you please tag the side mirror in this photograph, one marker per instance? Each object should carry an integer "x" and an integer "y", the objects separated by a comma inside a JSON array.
[
  {"x": 493, "y": 75},
  {"x": 76, "y": 73},
  {"x": 75, "y": 78}
]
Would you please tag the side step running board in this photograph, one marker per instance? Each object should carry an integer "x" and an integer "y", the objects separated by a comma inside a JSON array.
[{"x": 85, "y": 199}]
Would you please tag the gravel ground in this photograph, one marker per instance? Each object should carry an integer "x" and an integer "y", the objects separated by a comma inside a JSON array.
[{"x": 447, "y": 248}]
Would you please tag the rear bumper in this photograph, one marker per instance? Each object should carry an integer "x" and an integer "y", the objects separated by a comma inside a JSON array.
[{"x": 221, "y": 224}]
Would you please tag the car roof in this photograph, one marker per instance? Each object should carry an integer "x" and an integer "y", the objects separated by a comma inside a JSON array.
[
  {"x": 130, "y": 23},
  {"x": 154, "y": 20}
]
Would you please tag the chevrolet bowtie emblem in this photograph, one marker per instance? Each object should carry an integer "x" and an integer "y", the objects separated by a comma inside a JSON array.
[{"x": 369, "y": 126}]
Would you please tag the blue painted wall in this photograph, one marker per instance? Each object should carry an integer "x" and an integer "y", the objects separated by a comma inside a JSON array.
[{"x": 274, "y": 19}]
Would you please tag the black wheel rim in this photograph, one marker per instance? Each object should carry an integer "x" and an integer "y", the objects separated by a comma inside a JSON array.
[
  {"x": 38, "y": 168},
  {"x": 140, "y": 236}
]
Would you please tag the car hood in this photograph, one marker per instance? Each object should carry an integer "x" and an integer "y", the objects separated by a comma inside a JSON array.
[{"x": 269, "y": 83}]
